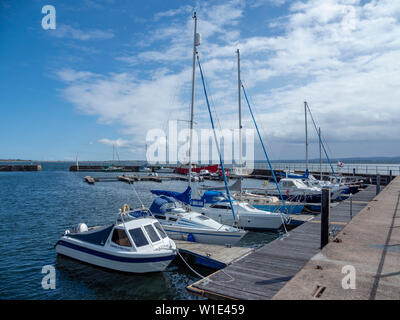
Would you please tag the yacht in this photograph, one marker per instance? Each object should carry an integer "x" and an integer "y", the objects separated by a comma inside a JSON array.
[
  {"x": 297, "y": 190},
  {"x": 182, "y": 223}
]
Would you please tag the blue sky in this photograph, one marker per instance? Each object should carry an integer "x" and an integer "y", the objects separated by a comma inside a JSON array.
[{"x": 111, "y": 70}]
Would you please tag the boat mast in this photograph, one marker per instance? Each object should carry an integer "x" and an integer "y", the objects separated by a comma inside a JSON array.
[
  {"x": 77, "y": 164},
  {"x": 196, "y": 42},
  {"x": 305, "y": 118},
  {"x": 320, "y": 154},
  {"x": 240, "y": 120}
]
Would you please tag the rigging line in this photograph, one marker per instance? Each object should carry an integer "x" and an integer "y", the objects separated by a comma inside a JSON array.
[
  {"x": 329, "y": 149},
  {"x": 212, "y": 102},
  {"x": 323, "y": 146},
  {"x": 263, "y": 133},
  {"x": 216, "y": 141},
  {"x": 263, "y": 146},
  {"x": 136, "y": 193}
]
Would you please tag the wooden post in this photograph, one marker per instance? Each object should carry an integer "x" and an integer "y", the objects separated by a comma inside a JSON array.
[
  {"x": 378, "y": 183},
  {"x": 351, "y": 206},
  {"x": 325, "y": 206}
]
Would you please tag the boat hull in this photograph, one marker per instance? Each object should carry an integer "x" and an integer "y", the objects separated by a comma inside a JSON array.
[
  {"x": 203, "y": 236},
  {"x": 122, "y": 262},
  {"x": 290, "y": 209},
  {"x": 249, "y": 221}
]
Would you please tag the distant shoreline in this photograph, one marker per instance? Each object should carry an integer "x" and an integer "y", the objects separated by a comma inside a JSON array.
[{"x": 350, "y": 160}]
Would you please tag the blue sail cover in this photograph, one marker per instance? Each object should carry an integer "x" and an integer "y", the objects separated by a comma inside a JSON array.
[
  {"x": 214, "y": 197},
  {"x": 185, "y": 196},
  {"x": 159, "y": 202},
  {"x": 293, "y": 176}
]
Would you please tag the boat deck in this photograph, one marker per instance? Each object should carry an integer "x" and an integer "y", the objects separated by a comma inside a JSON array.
[{"x": 261, "y": 274}]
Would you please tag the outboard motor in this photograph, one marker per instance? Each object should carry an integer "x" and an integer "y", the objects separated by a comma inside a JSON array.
[{"x": 81, "y": 227}]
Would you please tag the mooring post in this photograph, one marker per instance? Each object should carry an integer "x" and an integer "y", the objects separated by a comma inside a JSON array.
[
  {"x": 390, "y": 175},
  {"x": 351, "y": 206},
  {"x": 378, "y": 183},
  {"x": 354, "y": 172},
  {"x": 325, "y": 207}
]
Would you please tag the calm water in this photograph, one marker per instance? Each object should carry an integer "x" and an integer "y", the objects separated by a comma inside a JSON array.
[{"x": 36, "y": 208}]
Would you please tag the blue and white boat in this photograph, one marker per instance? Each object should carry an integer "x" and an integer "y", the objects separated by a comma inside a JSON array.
[
  {"x": 135, "y": 243},
  {"x": 297, "y": 190},
  {"x": 182, "y": 223},
  {"x": 247, "y": 216},
  {"x": 271, "y": 203}
]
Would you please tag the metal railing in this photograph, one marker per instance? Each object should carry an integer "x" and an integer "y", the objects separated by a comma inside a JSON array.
[{"x": 356, "y": 168}]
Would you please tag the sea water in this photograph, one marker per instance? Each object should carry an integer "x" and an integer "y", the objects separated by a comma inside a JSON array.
[{"x": 37, "y": 207}]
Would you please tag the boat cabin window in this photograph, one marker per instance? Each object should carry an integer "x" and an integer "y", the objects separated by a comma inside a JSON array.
[
  {"x": 152, "y": 233},
  {"x": 159, "y": 217},
  {"x": 120, "y": 237},
  {"x": 203, "y": 217},
  {"x": 172, "y": 219},
  {"x": 138, "y": 237},
  {"x": 160, "y": 230},
  {"x": 220, "y": 206}
]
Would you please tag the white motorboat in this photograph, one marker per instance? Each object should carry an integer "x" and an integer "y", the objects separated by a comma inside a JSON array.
[
  {"x": 144, "y": 169},
  {"x": 248, "y": 217},
  {"x": 298, "y": 190},
  {"x": 204, "y": 172},
  {"x": 165, "y": 170},
  {"x": 135, "y": 243},
  {"x": 336, "y": 187},
  {"x": 182, "y": 223}
]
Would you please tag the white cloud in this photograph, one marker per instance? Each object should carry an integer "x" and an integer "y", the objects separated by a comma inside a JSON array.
[
  {"x": 120, "y": 143},
  {"x": 342, "y": 56},
  {"x": 67, "y": 31}
]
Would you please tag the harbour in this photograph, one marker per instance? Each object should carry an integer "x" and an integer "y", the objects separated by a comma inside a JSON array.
[
  {"x": 204, "y": 259},
  {"x": 223, "y": 150}
]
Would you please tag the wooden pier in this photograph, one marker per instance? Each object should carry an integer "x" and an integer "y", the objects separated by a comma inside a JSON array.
[
  {"x": 261, "y": 274},
  {"x": 369, "y": 246},
  {"x": 211, "y": 255},
  {"x": 20, "y": 167}
]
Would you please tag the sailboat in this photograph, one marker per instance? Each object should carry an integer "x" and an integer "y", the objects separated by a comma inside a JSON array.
[
  {"x": 246, "y": 215},
  {"x": 255, "y": 203},
  {"x": 180, "y": 221},
  {"x": 112, "y": 167}
]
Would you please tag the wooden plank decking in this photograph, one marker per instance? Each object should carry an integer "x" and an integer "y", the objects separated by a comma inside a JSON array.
[
  {"x": 211, "y": 255},
  {"x": 261, "y": 274}
]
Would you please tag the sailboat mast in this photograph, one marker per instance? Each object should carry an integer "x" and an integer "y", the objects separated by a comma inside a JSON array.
[
  {"x": 305, "y": 119},
  {"x": 195, "y": 44},
  {"x": 240, "y": 118},
  {"x": 320, "y": 154}
]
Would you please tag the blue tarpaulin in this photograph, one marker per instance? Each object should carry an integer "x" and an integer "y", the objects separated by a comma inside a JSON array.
[{"x": 185, "y": 196}]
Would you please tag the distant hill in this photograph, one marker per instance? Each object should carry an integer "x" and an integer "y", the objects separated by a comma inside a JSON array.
[{"x": 346, "y": 160}]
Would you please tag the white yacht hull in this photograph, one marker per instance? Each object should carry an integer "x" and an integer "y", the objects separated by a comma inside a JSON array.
[
  {"x": 119, "y": 261},
  {"x": 203, "y": 235},
  {"x": 252, "y": 221}
]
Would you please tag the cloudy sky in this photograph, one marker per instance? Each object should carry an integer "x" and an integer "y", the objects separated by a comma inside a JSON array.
[{"x": 112, "y": 70}]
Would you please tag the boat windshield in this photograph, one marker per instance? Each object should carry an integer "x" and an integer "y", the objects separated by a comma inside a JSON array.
[
  {"x": 138, "y": 237},
  {"x": 160, "y": 230},
  {"x": 152, "y": 233},
  {"x": 170, "y": 206}
]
